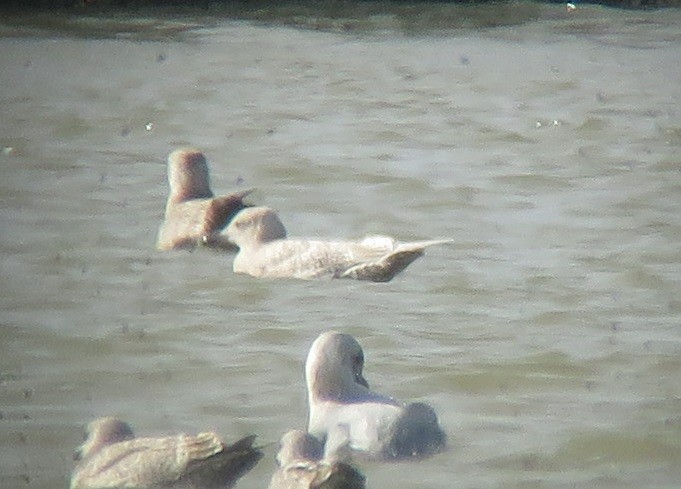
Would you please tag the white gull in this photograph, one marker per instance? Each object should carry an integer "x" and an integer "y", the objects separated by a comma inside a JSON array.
[
  {"x": 304, "y": 463},
  {"x": 264, "y": 251},
  {"x": 379, "y": 426},
  {"x": 193, "y": 216},
  {"x": 112, "y": 457}
]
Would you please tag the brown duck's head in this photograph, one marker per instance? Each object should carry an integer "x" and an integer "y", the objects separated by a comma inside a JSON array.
[{"x": 188, "y": 175}]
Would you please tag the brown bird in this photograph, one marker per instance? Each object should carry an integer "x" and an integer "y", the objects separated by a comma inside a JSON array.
[
  {"x": 305, "y": 464},
  {"x": 193, "y": 216},
  {"x": 112, "y": 457}
]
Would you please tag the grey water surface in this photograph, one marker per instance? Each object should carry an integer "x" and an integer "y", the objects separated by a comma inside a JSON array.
[{"x": 547, "y": 335}]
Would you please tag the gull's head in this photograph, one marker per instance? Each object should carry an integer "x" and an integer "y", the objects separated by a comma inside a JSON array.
[
  {"x": 188, "y": 175},
  {"x": 102, "y": 432},
  {"x": 255, "y": 225},
  {"x": 333, "y": 370},
  {"x": 297, "y": 445}
]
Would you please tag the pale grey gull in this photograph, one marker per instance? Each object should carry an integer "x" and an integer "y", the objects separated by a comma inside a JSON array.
[
  {"x": 379, "y": 426},
  {"x": 264, "y": 251}
]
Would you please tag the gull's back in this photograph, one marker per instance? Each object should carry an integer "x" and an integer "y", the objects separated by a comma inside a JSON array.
[{"x": 178, "y": 462}]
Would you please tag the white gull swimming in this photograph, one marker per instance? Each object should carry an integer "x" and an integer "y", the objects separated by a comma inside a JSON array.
[
  {"x": 378, "y": 426},
  {"x": 193, "y": 216},
  {"x": 112, "y": 457},
  {"x": 264, "y": 251},
  {"x": 305, "y": 463}
]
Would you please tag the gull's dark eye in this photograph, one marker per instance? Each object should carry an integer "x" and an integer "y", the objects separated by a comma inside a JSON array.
[
  {"x": 85, "y": 436},
  {"x": 358, "y": 361}
]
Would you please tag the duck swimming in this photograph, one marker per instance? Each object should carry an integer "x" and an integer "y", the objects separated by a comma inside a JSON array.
[{"x": 193, "y": 216}]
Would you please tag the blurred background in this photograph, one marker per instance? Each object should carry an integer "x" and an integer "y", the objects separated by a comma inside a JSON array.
[{"x": 543, "y": 139}]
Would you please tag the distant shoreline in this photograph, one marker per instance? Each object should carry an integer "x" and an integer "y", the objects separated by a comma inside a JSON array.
[{"x": 84, "y": 6}]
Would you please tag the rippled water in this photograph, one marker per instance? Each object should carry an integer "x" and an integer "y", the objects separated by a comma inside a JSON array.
[{"x": 547, "y": 335}]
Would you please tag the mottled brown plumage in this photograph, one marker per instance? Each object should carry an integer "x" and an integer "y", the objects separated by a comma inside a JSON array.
[
  {"x": 193, "y": 216},
  {"x": 302, "y": 465},
  {"x": 112, "y": 457}
]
